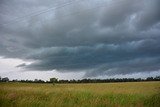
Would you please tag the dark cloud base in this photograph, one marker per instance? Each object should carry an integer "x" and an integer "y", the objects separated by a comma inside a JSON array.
[{"x": 122, "y": 37}]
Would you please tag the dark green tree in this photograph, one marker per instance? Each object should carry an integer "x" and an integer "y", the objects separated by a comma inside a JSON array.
[{"x": 53, "y": 80}]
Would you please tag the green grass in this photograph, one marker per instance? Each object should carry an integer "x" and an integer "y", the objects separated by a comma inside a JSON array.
[{"x": 134, "y": 94}]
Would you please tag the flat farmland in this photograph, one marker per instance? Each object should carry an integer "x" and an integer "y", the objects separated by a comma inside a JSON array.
[{"x": 128, "y": 94}]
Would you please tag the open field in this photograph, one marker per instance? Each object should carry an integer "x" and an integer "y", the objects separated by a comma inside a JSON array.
[{"x": 130, "y": 94}]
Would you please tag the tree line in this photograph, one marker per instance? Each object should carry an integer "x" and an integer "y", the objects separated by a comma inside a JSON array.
[{"x": 55, "y": 80}]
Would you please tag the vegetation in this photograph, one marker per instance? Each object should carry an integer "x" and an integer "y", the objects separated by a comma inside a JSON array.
[
  {"x": 55, "y": 80},
  {"x": 128, "y": 94}
]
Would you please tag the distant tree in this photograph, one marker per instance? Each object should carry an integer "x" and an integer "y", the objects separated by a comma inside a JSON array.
[
  {"x": 15, "y": 80},
  {"x": 35, "y": 80},
  {"x": 150, "y": 79},
  {"x": 6, "y": 79},
  {"x": 53, "y": 80}
]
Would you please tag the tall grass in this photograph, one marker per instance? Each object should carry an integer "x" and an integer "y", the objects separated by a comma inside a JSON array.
[{"x": 135, "y": 94}]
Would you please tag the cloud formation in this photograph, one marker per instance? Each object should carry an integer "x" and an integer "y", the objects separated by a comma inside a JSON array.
[{"x": 105, "y": 37}]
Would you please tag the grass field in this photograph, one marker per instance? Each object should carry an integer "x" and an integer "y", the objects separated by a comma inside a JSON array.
[{"x": 130, "y": 94}]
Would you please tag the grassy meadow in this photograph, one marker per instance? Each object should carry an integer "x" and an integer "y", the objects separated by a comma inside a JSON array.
[{"x": 129, "y": 94}]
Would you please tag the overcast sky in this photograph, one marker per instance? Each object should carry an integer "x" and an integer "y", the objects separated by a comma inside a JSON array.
[{"x": 75, "y": 39}]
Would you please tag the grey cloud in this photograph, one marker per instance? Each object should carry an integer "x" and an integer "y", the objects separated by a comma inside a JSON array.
[
  {"x": 21, "y": 65},
  {"x": 117, "y": 12},
  {"x": 149, "y": 16},
  {"x": 121, "y": 37},
  {"x": 89, "y": 57},
  {"x": 122, "y": 67}
]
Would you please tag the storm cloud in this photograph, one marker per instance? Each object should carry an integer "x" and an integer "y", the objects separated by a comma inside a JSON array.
[{"x": 98, "y": 37}]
